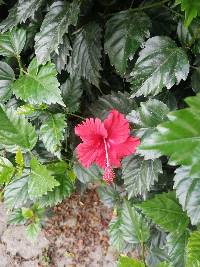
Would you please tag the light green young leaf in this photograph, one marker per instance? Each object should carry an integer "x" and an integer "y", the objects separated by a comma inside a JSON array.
[
  {"x": 12, "y": 42},
  {"x": 40, "y": 180},
  {"x": 165, "y": 211},
  {"x": 55, "y": 24},
  {"x": 193, "y": 250},
  {"x": 135, "y": 229},
  {"x": 42, "y": 83},
  {"x": 86, "y": 53},
  {"x": 187, "y": 192},
  {"x": 7, "y": 76},
  {"x": 52, "y": 133},
  {"x": 6, "y": 170},
  {"x": 160, "y": 64},
  {"x": 71, "y": 93},
  {"x": 16, "y": 132},
  {"x": 125, "y": 32},
  {"x": 191, "y": 8},
  {"x": 179, "y": 138},
  {"x": 125, "y": 261},
  {"x": 139, "y": 174}
]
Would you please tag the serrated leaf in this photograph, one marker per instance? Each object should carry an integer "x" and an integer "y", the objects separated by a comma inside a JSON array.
[
  {"x": 139, "y": 174},
  {"x": 193, "y": 250},
  {"x": 187, "y": 192},
  {"x": 55, "y": 24},
  {"x": 16, "y": 193},
  {"x": 165, "y": 211},
  {"x": 16, "y": 218},
  {"x": 52, "y": 133},
  {"x": 160, "y": 64},
  {"x": 86, "y": 53},
  {"x": 179, "y": 137},
  {"x": 176, "y": 244},
  {"x": 12, "y": 42},
  {"x": 71, "y": 93},
  {"x": 40, "y": 180},
  {"x": 42, "y": 83},
  {"x": 125, "y": 261},
  {"x": 6, "y": 170},
  {"x": 116, "y": 100},
  {"x": 61, "y": 58},
  {"x": 62, "y": 174},
  {"x": 109, "y": 195},
  {"x": 191, "y": 8},
  {"x": 125, "y": 32},
  {"x": 134, "y": 227},
  {"x": 26, "y": 109},
  {"x": 7, "y": 76},
  {"x": 16, "y": 132},
  {"x": 116, "y": 233},
  {"x": 87, "y": 175},
  {"x": 32, "y": 231}
]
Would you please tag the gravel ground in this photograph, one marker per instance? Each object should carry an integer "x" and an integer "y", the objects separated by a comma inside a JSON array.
[{"x": 75, "y": 236}]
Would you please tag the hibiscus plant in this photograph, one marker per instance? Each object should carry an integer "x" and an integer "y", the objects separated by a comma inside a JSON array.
[{"x": 105, "y": 92}]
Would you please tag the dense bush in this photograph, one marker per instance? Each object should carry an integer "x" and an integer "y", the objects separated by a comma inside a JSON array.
[{"x": 64, "y": 61}]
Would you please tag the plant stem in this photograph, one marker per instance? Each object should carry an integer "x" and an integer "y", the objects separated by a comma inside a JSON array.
[
  {"x": 150, "y": 6},
  {"x": 143, "y": 253},
  {"x": 74, "y": 115},
  {"x": 20, "y": 64}
]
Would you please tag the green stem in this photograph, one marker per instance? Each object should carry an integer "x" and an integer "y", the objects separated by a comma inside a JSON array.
[
  {"x": 143, "y": 253},
  {"x": 74, "y": 115},
  {"x": 150, "y": 6},
  {"x": 20, "y": 64}
]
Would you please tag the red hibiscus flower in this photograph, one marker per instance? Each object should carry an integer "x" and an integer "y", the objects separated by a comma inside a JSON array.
[{"x": 105, "y": 143}]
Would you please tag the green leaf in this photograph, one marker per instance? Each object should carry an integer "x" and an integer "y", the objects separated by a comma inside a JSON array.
[
  {"x": 16, "y": 193},
  {"x": 139, "y": 174},
  {"x": 116, "y": 100},
  {"x": 165, "y": 211},
  {"x": 160, "y": 64},
  {"x": 27, "y": 213},
  {"x": 71, "y": 93},
  {"x": 19, "y": 159},
  {"x": 6, "y": 170},
  {"x": 125, "y": 261},
  {"x": 7, "y": 76},
  {"x": 193, "y": 250},
  {"x": 87, "y": 175},
  {"x": 32, "y": 231},
  {"x": 16, "y": 132},
  {"x": 86, "y": 53},
  {"x": 63, "y": 174},
  {"x": 21, "y": 11},
  {"x": 125, "y": 33},
  {"x": 42, "y": 83},
  {"x": 191, "y": 8},
  {"x": 164, "y": 264},
  {"x": 187, "y": 192},
  {"x": 52, "y": 133},
  {"x": 109, "y": 195},
  {"x": 179, "y": 138},
  {"x": 134, "y": 227},
  {"x": 195, "y": 80},
  {"x": 12, "y": 42},
  {"x": 145, "y": 121},
  {"x": 40, "y": 180},
  {"x": 116, "y": 233},
  {"x": 55, "y": 24},
  {"x": 176, "y": 244},
  {"x": 61, "y": 58},
  {"x": 16, "y": 217}
]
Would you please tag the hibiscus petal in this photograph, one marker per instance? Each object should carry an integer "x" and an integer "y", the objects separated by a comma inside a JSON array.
[
  {"x": 86, "y": 154},
  {"x": 117, "y": 127},
  {"x": 91, "y": 131}
]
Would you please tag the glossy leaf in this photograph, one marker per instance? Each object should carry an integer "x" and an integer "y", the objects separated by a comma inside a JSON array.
[
  {"x": 139, "y": 174},
  {"x": 187, "y": 192},
  {"x": 40, "y": 180},
  {"x": 179, "y": 137},
  {"x": 125, "y": 33},
  {"x": 193, "y": 250},
  {"x": 71, "y": 93},
  {"x": 42, "y": 83},
  {"x": 165, "y": 211},
  {"x": 52, "y": 133},
  {"x": 55, "y": 24},
  {"x": 160, "y": 64},
  {"x": 16, "y": 131},
  {"x": 7, "y": 76},
  {"x": 6, "y": 170},
  {"x": 86, "y": 53},
  {"x": 12, "y": 42},
  {"x": 116, "y": 233}
]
